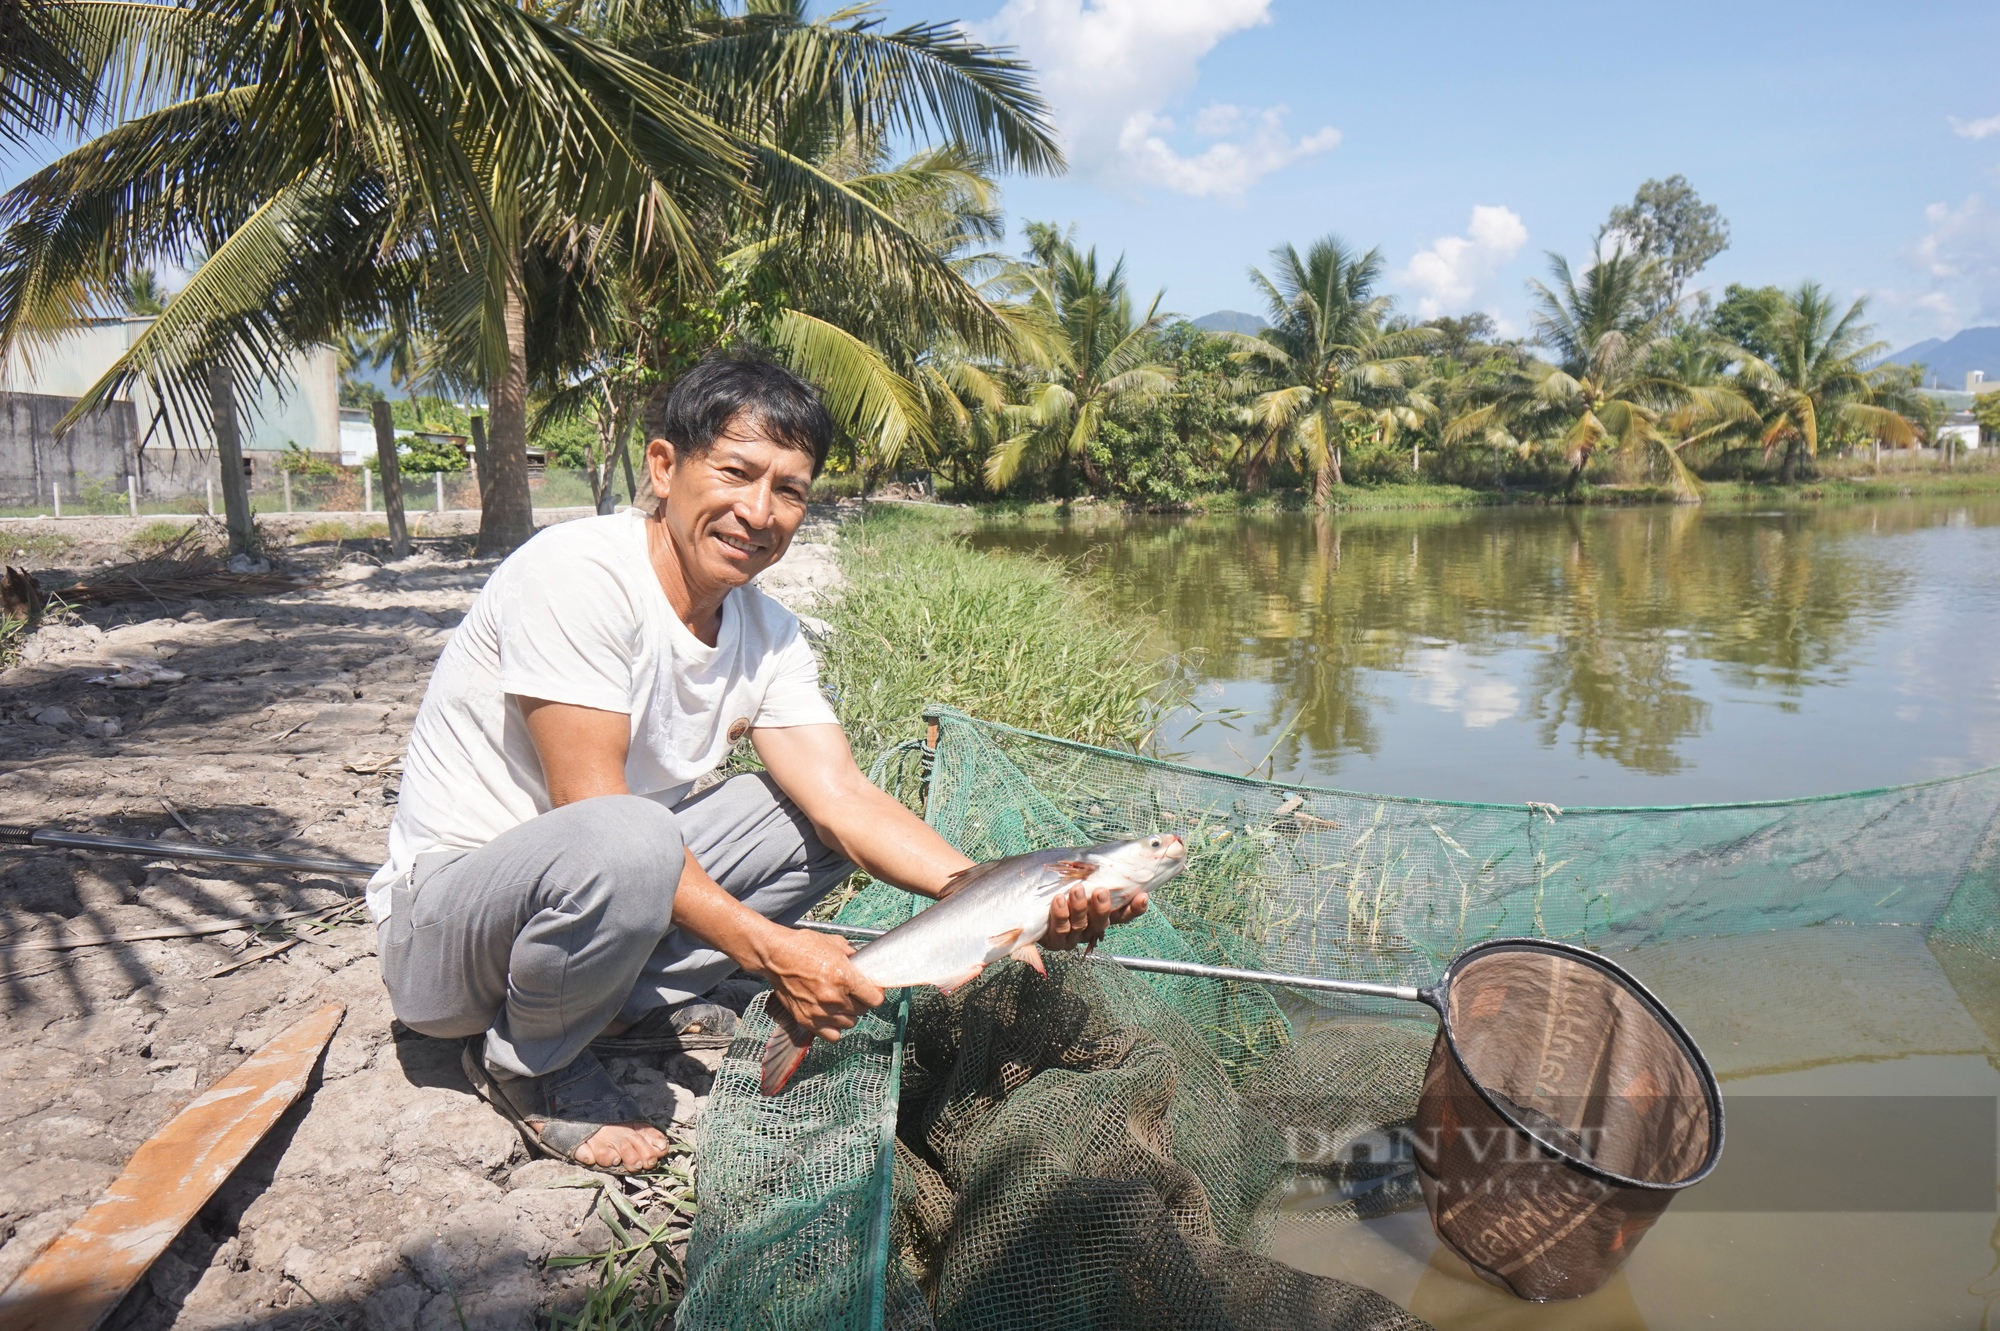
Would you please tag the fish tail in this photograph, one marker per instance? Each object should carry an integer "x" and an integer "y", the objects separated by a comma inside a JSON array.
[{"x": 783, "y": 1053}]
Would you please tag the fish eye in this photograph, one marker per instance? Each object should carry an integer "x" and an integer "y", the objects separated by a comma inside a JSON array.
[{"x": 1153, "y": 843}]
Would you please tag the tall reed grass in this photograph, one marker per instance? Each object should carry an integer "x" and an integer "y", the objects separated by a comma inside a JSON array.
[{"x": 1005, "y": 637}]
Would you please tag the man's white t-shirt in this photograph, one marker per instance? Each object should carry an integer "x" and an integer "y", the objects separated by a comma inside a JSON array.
[{"x": 577, "y": 615}]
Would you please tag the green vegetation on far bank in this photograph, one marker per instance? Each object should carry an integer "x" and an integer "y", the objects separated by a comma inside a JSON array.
[
  {"x": 1902, "y": 483},
  {"x": 925, "y": 619}
]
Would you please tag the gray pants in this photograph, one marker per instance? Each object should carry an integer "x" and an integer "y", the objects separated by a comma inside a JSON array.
[{"x": 552, "y": 929}]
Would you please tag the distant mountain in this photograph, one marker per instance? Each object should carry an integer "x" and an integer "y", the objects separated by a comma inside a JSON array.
[
  {"x": 1233, "y": 321},
  {"x": 1946, "y": 360}
]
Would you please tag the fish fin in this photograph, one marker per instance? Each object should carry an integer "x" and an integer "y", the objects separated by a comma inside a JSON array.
[
  {"x": 965, "y": 878},
  {"x": 783, "y": 1053},
  {"x": 1030, "y": 955},
  {"x": 1006, "y": 940},
  {"x": 1074, "y": 870},
  {"x": 966, "y": 978}
]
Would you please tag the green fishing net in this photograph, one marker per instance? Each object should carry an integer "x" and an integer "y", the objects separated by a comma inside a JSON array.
[{"x": 1106, "y": 1149}]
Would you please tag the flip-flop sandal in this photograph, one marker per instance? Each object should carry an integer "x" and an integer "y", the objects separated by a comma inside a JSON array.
[
  {"x": 690, "y": 1025},
  {"x": 558, "y": 1111}
]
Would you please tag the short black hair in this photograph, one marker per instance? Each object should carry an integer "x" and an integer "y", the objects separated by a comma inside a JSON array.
[{"x": 692, "y": 412}]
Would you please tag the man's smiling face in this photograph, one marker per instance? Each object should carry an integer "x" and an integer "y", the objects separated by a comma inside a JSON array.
[{"x": 732, "y": 511}]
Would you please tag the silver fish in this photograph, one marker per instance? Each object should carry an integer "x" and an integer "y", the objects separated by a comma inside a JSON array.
[{"x": 992, "y": 910}]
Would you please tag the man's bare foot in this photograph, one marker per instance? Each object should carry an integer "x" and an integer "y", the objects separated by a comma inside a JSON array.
[{"x": 623, "y": 1145}]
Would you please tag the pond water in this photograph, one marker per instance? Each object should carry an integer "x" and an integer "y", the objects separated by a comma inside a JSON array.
[
  {"x": 1644, "y": 657},
  {"x": 1576, "y": 657}
]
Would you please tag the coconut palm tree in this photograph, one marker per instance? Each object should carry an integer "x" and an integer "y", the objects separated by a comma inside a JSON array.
[
  {"x": 312, "y": 159},
  {"x": 44, "y": 81},
  {"x": 860, "y": 318},
  {"x": 1813, "y": 380},
  {"x": 1695, "y": 359},
  {"x": 1333, "y": 367},
  {"x": 143, "y": 295},
  {"x": 346, "y": 162},
  {"x": 1100, "y": 359},
  {"x": 1604, "y": 387}
]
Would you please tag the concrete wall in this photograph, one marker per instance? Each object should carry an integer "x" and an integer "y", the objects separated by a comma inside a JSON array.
[
  {"x": 38, "y": 385},
  {"x": 102, "y": 446}
]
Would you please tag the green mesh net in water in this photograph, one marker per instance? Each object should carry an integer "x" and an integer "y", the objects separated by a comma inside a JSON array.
[{"x": 1105, "y": 1149}]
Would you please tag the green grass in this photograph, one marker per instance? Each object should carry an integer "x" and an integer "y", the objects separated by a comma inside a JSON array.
[
  {"x": 332, "y": 530},
  {"x": 157, "y": 535},
  {"x": 640, "y": 1278},
  {"x": 13, "y": 637},
  {"x": 18, "y": 544},
  {"x": 1005, "y": 637},
  {"x": 1889, "y": 485}
]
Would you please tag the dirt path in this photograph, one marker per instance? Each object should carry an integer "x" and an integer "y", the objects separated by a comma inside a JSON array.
[{"x": 390, "y": 1198}]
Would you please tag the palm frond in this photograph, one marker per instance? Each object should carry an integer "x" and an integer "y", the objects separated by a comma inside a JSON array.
[{"x": 870, "y": 400}]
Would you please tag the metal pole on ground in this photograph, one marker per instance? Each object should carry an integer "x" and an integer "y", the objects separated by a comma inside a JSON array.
[
  {"x": 132, "y": 493},
  {"x": 392, "y": 478}
]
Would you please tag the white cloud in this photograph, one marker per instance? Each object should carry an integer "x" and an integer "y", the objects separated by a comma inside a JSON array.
[
  {"x": 1110, "y": 68},
  {"x": 1961, "y": 255},
  {"x": 1957, "y": 261},
  {"x": 1975, "y": 129},
  {"x": 1453, "y": 682},
  {"x": 1456, "y": 271}
]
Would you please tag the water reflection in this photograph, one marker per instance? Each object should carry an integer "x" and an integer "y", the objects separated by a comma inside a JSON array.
[{"x": 1505, "y": 653}]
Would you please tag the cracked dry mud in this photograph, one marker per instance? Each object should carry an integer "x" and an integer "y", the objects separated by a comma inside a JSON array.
[{"x": 390, "y": 1198}]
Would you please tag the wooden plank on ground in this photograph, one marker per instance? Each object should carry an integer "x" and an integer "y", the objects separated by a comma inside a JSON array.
[{"x": 82, "y": 1275}]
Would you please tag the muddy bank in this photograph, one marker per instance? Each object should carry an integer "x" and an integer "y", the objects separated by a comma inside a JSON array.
[{"x": 266, "y": 723}]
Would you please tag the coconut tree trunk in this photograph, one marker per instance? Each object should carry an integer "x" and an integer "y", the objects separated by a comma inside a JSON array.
[
  {"x": 1788, "y": 470},
  {"x": 482, "y": 458},
  {"x": 619, "y": 425},
  {"x": 1323, "y": 482},
  {"x": 625, "y": 461},
  {"x": 508, "y": 519}
]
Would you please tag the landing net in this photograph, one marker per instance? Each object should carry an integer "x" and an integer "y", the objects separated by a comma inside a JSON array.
[{"x": 1105, "y": 1149}]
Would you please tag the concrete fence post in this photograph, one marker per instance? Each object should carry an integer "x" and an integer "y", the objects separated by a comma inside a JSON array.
[
  {"x": 208, "y": 488},
  {"x": 438, "y": 476},
  {"x": 55, "y": 496},
  {"x": 132, "y": 493},
  {"x": 236, "y": 514},
  {"x": 286, "y": 477},
  {"x": 392, "y": 480},
  {"x": 367, "y": 490}
]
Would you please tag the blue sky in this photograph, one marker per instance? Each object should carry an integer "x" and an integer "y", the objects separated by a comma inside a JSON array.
[{"x": 1857, "y": 145}]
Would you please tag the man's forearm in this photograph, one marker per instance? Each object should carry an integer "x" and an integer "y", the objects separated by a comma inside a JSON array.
[
  {"x": 876, "y": 833},
  {"x": 810, "y": 971},
  {"x": 705, "y": 909}
]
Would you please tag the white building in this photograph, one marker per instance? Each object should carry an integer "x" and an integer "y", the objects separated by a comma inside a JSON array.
[
  {"x": 357, "y": 436},
  {"x": 1961, "y": 426}
]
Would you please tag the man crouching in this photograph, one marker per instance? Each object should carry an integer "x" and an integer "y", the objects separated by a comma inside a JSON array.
[{"x": 550, "y": 878}]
